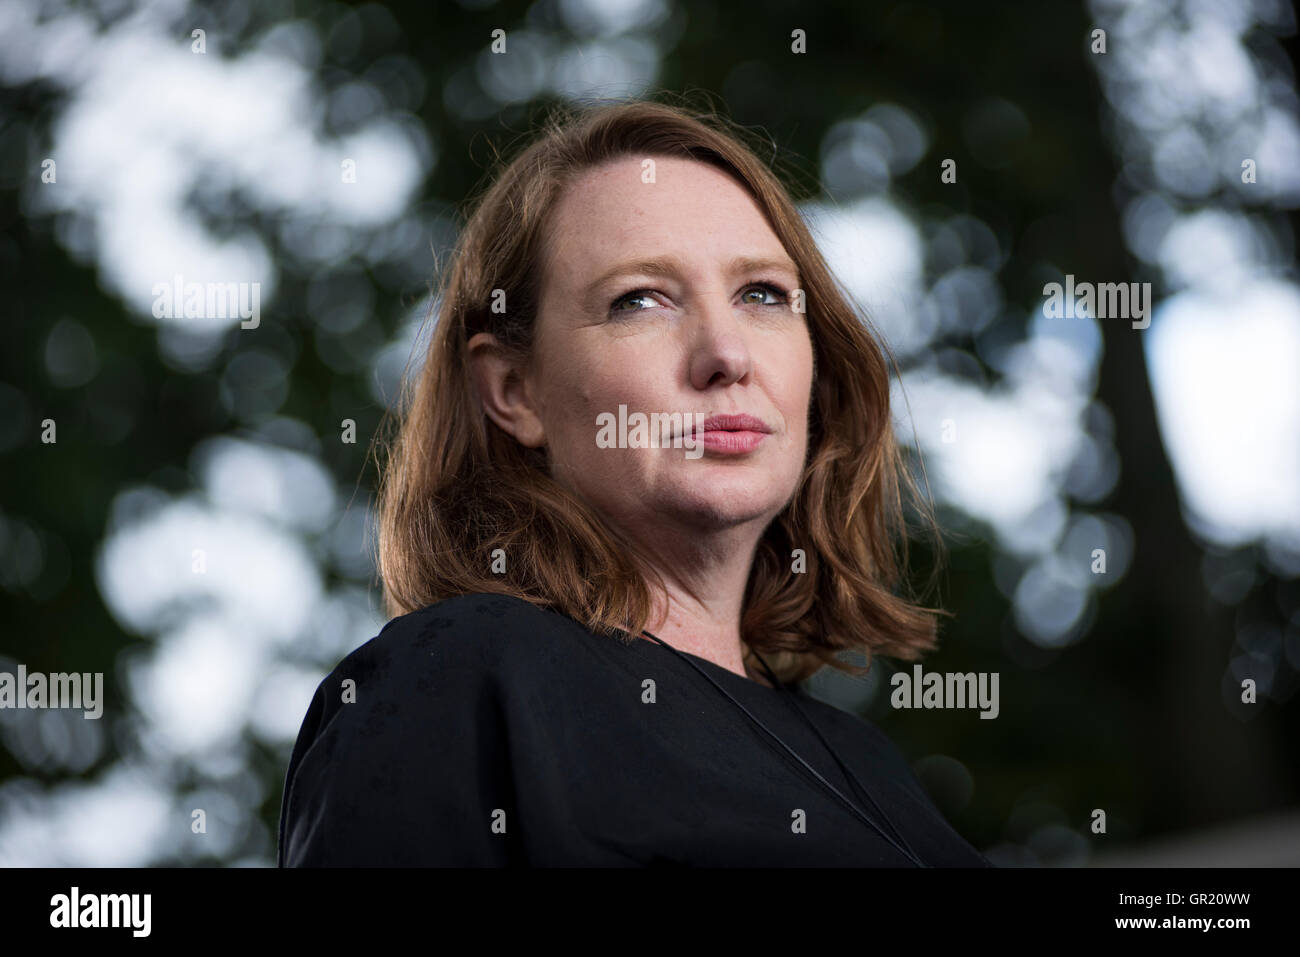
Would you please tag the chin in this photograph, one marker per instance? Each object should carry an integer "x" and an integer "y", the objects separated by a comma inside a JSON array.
[{"x": 718, "y": 508}]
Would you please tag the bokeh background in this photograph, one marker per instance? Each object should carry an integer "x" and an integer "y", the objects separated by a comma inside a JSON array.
[{"x": 1175, "y": 449}]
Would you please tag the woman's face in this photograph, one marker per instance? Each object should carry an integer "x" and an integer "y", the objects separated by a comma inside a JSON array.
[{"x": 701, "y": 332}]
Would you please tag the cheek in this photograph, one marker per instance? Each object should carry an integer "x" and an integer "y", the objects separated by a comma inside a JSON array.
[
  {"x": 612, "y": 378},
  {"x": 793, "y": 362},
  {"x": 575, "y": 407},
  {"x": 806, "y": 383},
  {"x": 795, "y": 391},
  {"x": 566, "y": 393},
  {"x": 583, "y": 402}
]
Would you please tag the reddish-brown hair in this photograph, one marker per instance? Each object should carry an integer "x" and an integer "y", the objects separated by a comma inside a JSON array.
[{"x": 456, "y": 487}]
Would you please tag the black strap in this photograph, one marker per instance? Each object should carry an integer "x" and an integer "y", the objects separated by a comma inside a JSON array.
[
  {"x": 848, "y": 772},
  {"x": 905, "y": 851}
]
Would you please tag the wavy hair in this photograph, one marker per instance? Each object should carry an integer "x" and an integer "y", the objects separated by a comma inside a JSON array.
[{"x": 455, "y": 487}]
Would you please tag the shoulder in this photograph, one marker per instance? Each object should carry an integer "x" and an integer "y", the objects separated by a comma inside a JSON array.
[
  {"x": 407, "y": 723},
  {"x": 480, "y": 630},
  {"x": 439, "y": 663}
]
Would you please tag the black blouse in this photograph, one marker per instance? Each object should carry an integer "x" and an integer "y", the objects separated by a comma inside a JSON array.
[{"x": 485, "y": 731}]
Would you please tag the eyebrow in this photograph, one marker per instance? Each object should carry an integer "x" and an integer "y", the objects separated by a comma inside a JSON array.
[{"x": 670, "y": 266}]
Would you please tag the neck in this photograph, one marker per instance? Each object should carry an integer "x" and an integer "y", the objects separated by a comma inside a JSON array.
[
  {"x": 704, "y": 590},
  {"x": 705, "y": 570}
]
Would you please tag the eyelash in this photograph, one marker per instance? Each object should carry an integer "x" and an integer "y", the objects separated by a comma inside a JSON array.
[{"x": 771, "y": 287}]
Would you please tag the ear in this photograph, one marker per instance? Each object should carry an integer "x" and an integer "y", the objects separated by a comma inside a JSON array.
[{"x": 502, "y": 389}]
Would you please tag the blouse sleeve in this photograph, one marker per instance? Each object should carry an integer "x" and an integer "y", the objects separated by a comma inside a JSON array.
[{"x": 402, "y": 759}]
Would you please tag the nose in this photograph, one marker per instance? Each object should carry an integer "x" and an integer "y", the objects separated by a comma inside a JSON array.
[{"x": 719, "y": 347}]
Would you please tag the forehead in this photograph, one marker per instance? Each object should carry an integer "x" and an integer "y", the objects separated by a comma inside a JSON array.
[{"x": 690, "y": 209}]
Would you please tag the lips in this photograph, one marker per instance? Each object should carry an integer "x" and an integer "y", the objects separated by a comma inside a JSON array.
[{"x": 732, "y": 423}]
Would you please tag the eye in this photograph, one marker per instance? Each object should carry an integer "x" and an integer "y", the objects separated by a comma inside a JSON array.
[
  {"x": 782, "y": 297},
  {"x": 635, "y": 294},
  {"x": 771, "y": 287}
]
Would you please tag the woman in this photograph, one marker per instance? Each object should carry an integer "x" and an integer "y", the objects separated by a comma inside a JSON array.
[{"x": 600, "y": 625}]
